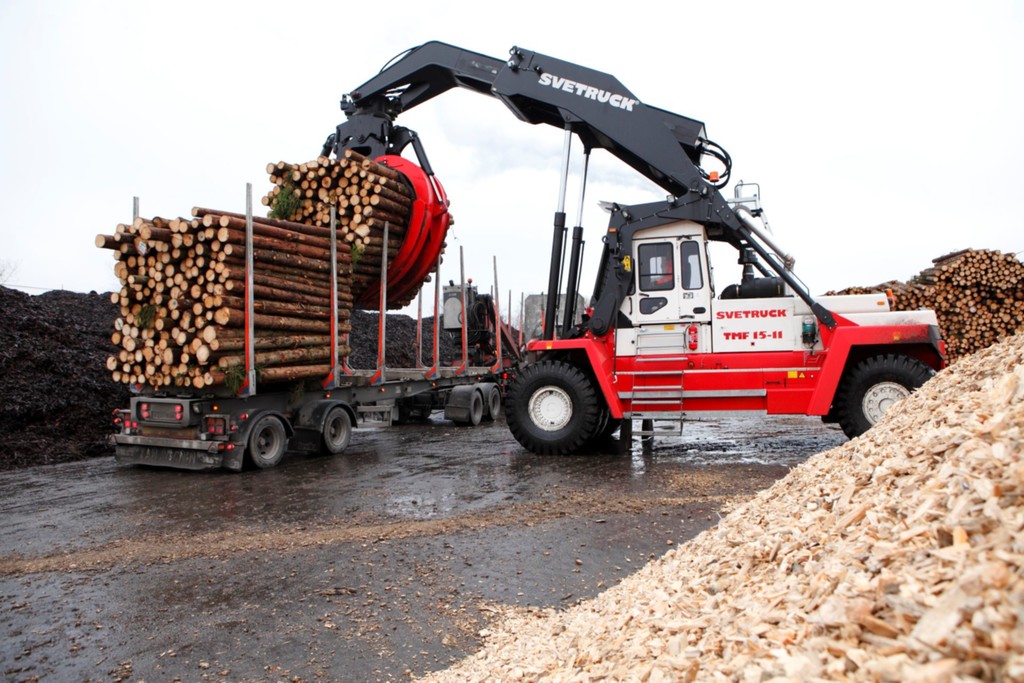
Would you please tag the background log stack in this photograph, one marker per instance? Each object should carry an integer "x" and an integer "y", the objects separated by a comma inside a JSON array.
[
  {"x": 366, "y": 195},
  {"x": 978, "y": 296},
  {"x": 182, "y": 300}
]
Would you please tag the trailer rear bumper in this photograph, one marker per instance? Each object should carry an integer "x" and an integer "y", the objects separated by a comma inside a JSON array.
[{"x": 187, "y": 454}]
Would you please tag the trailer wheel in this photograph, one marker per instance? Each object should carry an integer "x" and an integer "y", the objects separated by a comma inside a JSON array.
[
  {"x": 476, "y": 408},
  {"x": 552, "y": 408},
  {"x": 872, "y": 387},
  {"x": 267, "y": 442},
  {"x": 465, "y": 405},
  {"x": 492, "y": 402},
  {"x": 337, "y": 431}
]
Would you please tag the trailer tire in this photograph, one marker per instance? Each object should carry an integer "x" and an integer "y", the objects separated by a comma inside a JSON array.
[
  {"x": 872, "y": 386},
  {"x": 552, "y": 408},
  {"x": 337, "y": 431},
  {"x": 476, "y": 408},
  {"x": 492, "y": 402},
  {"x": 267, "y": 442},
  {"x": 465, "y": 405}
]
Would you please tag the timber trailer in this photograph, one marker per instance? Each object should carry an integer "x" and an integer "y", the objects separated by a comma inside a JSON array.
[
  {"x": 657, "y": 341},
  {"x": 200, "y": 430}
]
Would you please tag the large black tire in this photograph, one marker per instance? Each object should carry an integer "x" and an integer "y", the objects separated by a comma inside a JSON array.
[
  {"x": 872, "y": 386},
  {"x": 476, "y": 409},
  {"x": 603, "y": 439},
  {"x": 552, "y": 408},
  {"x": 610, "y": 428},
  {"x": 337, "y": 431},
  {"x": 492, "y": 402},
  {"x": 267, "y": 442}
]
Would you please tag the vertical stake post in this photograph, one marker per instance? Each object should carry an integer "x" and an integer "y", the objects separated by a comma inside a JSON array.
[
  {"x": 497, "y": 319},
  {"x": 249, "y": 388},
  {"x": 378, "y": 377},
  {"x": 432, "y": 373},
  {"x": 522, "y": 317},
  {"x": 332, "y": 379},
  {"x": 419, "y": 329},
  {"x": 465, "y": 330}
]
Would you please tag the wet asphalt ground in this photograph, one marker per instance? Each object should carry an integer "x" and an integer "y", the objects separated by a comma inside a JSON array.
[{"x": 378, "y": 564}]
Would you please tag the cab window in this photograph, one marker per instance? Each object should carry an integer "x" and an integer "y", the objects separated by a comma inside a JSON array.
[
  {"x": 656, "y": 267},
  {"x": 689, "y": 258}
]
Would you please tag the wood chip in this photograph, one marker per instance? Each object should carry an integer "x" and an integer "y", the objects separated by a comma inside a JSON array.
[{"x": 916, "y": 573}]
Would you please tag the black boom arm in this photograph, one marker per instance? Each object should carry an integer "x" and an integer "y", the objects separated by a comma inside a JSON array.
[
  {"x": 664, "y": 147},
  {"x": 660, "y": 145}
]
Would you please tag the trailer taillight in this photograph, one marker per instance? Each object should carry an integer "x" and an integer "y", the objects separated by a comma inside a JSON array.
[
  {"x": 216, "y": 426},
  {"x": 179, "y": 412},
  {"x": 144, "y": 411},
  {"x": 122, "y": 418}
]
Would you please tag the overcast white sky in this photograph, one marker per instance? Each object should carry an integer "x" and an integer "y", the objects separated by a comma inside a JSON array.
[{"x": 883, "y": 134}]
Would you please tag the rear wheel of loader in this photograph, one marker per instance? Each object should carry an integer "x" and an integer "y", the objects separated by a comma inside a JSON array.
[
  {"x": 552, "y": 408},
  {"x": 872, "y": 387},
  {"x": 337, "y": 431},
  {"x": 267, "y": 442}
]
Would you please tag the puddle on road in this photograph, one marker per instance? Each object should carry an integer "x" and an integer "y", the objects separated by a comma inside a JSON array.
[
  {"x": 414, "y": 472},
  {"x": 786, "y": 441}
]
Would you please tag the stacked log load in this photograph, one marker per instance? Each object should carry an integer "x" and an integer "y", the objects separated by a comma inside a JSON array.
[
  {"x": 366, "y": 195},
  {"x": 182, "y": 297},
  {"x": 182, "y": 300},
  {"x": 978, "y": 296}
]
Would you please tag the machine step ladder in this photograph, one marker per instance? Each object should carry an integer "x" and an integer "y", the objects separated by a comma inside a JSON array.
[{"x": 657, "y": 393}]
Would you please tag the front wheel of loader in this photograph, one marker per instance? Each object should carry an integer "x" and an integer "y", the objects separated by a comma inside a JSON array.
[
  {"x": 872, "y": 387},
  {"x": 552, "y": 408}
]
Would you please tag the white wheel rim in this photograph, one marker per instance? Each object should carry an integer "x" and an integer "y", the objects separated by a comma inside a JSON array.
[
  {"x": 550, "y": 408},
  {"x": 880, "y": 398}
]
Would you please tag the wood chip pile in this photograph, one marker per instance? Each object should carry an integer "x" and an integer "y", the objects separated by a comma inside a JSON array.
[
  {"x": 181, "y": 300},
  {"x": 978, "y": 296},
  {"x": 898, "y": 556}
]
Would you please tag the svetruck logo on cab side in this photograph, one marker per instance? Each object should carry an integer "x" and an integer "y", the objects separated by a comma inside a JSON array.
[
  {"x": 588, "y": 91},
  {"x": 743, "y": 315}
]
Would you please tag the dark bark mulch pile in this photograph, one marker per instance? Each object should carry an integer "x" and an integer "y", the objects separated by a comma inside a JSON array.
[
  {"x": 56, "y": 394},
  {"x": 400, "y": 335}
]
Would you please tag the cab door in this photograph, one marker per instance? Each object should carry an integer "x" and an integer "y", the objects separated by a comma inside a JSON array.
[{"x": 671, "y": 287}]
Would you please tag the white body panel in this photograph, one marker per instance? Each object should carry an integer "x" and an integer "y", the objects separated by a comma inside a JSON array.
[{"x": 672, "y": 303}]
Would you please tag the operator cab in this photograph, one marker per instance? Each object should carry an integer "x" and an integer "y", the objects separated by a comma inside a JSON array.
[{"x": 669, "y": 304}]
